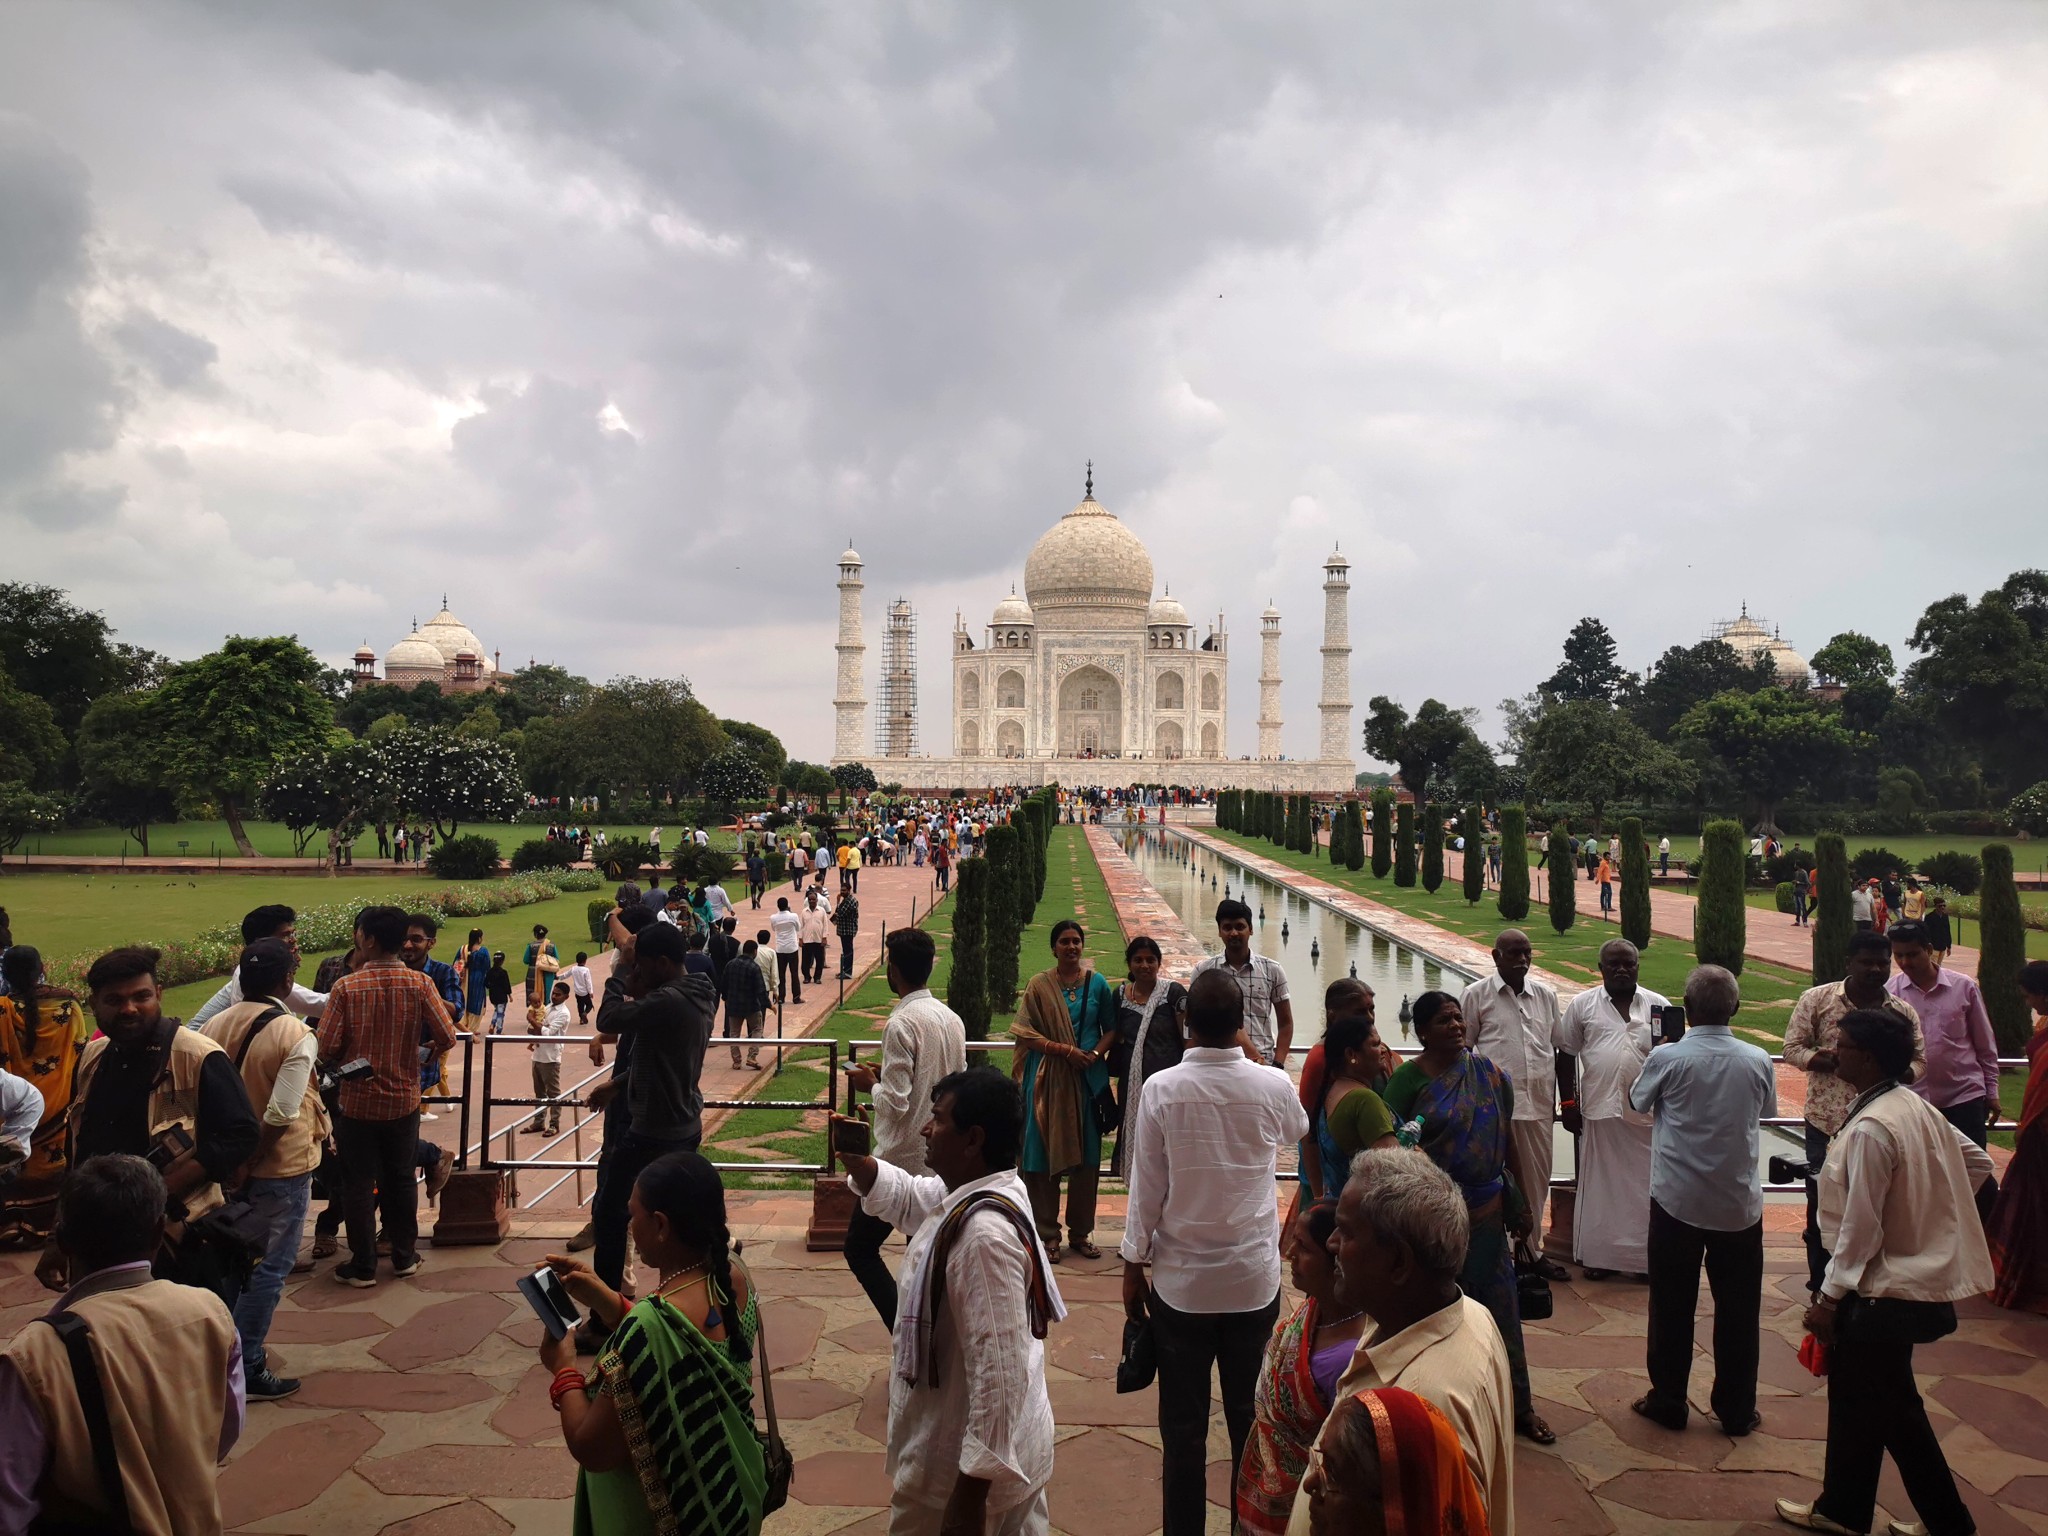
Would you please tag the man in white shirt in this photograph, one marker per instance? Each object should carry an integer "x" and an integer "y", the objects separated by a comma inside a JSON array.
[
  {"x": 1204, "y": 1151},
  {"x": 1401, "y": 1238},
  {"x": 1512, "y": 1020},
  {"x": 970, "y": 1426},
  {"x": 1262, "y": 984},
  {"x": 719, "y": 903},
  {"x": 814, "y": 932},
  {"x": 1603, "y": 1040},
  {"x": 547, "y": 1063},
  {"x": 21, "y": 1111},
  {"x": 581, "y": 987},
  {"x": 923, "y": 1042},
  {"x": 272, "y": 922},
  {"x": 1663, "y": 855},
  {"x": 785, "y": 929}
]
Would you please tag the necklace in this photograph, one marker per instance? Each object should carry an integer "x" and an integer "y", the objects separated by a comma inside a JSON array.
[
  {"x": 668, "y": 1282},
  {"x": 1338, "y": 1322}
]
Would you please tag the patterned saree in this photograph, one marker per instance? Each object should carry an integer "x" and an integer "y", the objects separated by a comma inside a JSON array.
[{"x": 1289, "y": 1413}]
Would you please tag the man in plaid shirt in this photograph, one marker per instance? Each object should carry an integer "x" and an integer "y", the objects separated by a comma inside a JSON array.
[{"x": 386, "y": 1012}]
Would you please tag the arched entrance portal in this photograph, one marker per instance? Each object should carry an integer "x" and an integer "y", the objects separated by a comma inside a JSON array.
[{"x": 1091, "y": 714}]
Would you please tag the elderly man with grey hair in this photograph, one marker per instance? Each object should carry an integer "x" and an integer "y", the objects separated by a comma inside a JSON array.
[
  {"x": 1708, "y": 1091},
  {"x": 1400, "y": 1242},
  {"x": 1603, "y": 1039}
]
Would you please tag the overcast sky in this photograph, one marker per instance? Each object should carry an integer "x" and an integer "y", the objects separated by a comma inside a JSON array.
[{"x": 618, "y": 321}]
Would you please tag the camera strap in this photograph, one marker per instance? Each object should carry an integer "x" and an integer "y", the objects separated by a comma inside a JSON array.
[
  {"x": 76, "y": 1335},
  {"x": 261, "y": 1022}
]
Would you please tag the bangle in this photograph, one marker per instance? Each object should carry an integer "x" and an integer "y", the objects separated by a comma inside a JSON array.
[
  {"x": 566, "y": 1381},
  {"x": 1568, "y": 1104}
]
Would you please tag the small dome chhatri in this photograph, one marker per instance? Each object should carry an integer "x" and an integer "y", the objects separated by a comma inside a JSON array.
[
  {"x": 1012, "y": 610},
  {"x": 1166, "y": 609}
]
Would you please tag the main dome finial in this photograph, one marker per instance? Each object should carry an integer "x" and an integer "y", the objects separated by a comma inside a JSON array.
[{"x": 1088, "y": 488}]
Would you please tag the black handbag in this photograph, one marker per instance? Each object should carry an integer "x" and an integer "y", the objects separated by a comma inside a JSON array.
[
  {"x": 1532, "y": 1291},
  {"x": 1109, "y": 1115},
  {"x": 1139, "y": 1363}
]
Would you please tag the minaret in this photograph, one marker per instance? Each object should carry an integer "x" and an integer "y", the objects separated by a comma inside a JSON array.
[
  {"x": 1336, "y": 704},
  {"x": 1269, "y": 684},
  {"x": 850, "y": 702}
]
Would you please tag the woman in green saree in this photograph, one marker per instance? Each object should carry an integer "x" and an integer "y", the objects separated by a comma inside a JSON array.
[{"x": 664, "y": 1431}]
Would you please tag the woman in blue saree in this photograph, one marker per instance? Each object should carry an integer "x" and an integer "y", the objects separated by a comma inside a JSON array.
[
  {"x": 1064, "y": 1034},
  {"x": 1464, "y": 1104}
]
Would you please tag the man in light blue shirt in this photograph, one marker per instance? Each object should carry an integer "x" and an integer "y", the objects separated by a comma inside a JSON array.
[{"x": 1707, "y": 1092}]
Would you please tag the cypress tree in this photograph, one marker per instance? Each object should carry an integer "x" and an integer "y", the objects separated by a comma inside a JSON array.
[
  {"x": 1564, "y": 882},
  {"x": 1032, "y": 845},
  {"x": 1635, "y": 883},
  {"x": 1833, "y": 919},
  {"x": 1226, "y": 810},
  {"x": 1720, "y": 924},
  {"x": 967, "y": 987},
  {"x": 1404, "y": 843},
  {"x": 1475, "y": 853},
  {"x": 2002, "y": 950},
  {"x": 1382, "y": 833},
  {"x": 1276, "y": 831},
  {"x": 1513, "y": 900},
  {"x": 1304, "y": 825},
  {"x": 1432, "y": 847},
  {"x": 1005, "y": 916}
]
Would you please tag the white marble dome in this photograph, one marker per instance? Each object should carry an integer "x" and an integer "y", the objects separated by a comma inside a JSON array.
[
  {"x": 450, "y": 637},
  {"x": 415, "y": 653},
  {"x": 1167, "y": 610},
  {"x": 1012, "y": 610},
  {"x": 1750, "y": 640},
  {"x": 1089, "y": 565}
]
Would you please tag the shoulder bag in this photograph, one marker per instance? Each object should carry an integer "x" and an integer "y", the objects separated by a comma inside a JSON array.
[
  {"x": 92, "y": 1399},
  {"x": 775, "y": 1458}
]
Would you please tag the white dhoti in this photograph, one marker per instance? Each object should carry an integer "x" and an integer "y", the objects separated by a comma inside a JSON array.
[
  {"x": 1533, "y": 1143},
  {"x": 1612, "y": 1230},
  {"x": 907, "y": 1517}
]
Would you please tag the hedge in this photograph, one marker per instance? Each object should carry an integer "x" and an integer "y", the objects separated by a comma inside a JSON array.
[
  {"x": 1564, "y": 881},
  {"x": 1513, "y": 901},
  {"x": 1833, "y": 918},
  {"x": 1473, "y": 869},
  {"x": 1404, "y": 843},
  {"x": 2002, "y": 950},
  {"x": 1635, "y": 884},
  {"x": 1432, "y": 847},
  {"x": 967, "y": 986},
  {"x": 1720, "y": 927},
  {"x": 1382, "y": 833}
]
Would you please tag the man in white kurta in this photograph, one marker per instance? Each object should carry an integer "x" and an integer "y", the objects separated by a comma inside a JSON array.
[
  {"x": 1607, "y": 1032},
  {"x": 971, "y": 1436},
  {"x": 1511, "y": 1018}
]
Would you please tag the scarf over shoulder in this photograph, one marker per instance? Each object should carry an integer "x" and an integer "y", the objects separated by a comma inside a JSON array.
[{"x": 1057, "y": 1091}]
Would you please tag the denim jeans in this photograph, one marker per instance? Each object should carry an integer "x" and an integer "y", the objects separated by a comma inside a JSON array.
[{"x": 285, "y": 1201}]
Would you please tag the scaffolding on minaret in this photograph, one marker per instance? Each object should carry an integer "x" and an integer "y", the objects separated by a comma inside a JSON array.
[{"x": 896, "y": 720}]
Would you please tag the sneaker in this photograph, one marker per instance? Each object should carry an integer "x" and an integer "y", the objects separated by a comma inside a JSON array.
[
  {"x": 264, "y": 1387},
  {"x": 348, "y": 1274},
  {"x": 585, "y": 1238},
  {"x": 428, "y": 1114},
  {"x": 438, "y": 1177},
  {"x": 405, "y": 1269}
]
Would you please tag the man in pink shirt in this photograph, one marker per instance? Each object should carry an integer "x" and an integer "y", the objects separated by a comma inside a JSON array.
[{"x": 1961, "y": 1078}]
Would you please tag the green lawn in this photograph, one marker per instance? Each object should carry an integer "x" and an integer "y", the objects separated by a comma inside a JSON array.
[
  {"x": 211, "y": 839},
  {"x": 1768, "y": 990},
  {"x": 1073, "y": 888}
]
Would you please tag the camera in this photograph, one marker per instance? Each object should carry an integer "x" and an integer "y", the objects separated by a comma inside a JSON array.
[
  {"x": 1786, "y": 1170},
  {"x": 331, "y": 1078}
]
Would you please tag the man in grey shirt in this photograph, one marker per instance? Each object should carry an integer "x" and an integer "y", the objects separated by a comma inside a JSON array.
[{"x": 1707, "y": 1092}]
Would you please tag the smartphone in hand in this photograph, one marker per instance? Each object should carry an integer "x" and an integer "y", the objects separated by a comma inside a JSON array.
[
  {"x": 544, "y": 1292},
  {"x": 852, "y": 1138}
]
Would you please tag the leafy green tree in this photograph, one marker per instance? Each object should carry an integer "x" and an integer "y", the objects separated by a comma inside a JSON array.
[
  {"x": 63, "y": 655},
  {"x": 480, "y": 724},
  {"x": 552, "y": 760},
  {"x": 1960, "y": 872},
  {"x": 224, "y": 721},
  {"x": 1420, "y": 747},
  {"x": 1635, "y": 883},
  {"x": 337, "y": 788},
  {"x": 2002, "y": 951},
  {"x": 1686, "y": 675},
  {"x": 1772, "y": 742},
  {"x": 23, "y": 810},
  {"x": 1474, "y": 867},
  {"x": 967, "y": 985},
  {"x": 121, "y": 774},
  {"x": 1863, "y": 667},
  {"x": 1983, "y": 669},
  {"x": 440, "y": 778},
  {"x": 1513, "y": 901},
  {"x": 1590, "y": 753},
  {"x": 31, "y": 745},
  {"x": 758, "y": 742},
  {"x": 1432, "y": 847},
  {"x": 809, "y": 780},
  {"x": 2029, "y": 810},
  {"x": 1589, "y": 670},
  {"x": 1473, "y": 773},
  {"x": 1564, "y": 882},
  {"x": 1005, "y": 915},
  {"x": 1720, "y": 929},
  {"x": 853, "y": 779},
  {"x": 734, "y": 777},
  {"x": 1382, "y": 833},
  {"x": 1404, "y": 844},
  {"x": 541, "y": 692},
  {"x": 646, "y": 735}
]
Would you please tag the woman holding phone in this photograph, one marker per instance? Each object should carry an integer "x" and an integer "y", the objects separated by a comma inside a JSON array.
[{"x": 663, "y": 1431}]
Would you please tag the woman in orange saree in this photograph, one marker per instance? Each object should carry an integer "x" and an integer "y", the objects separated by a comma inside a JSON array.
[
  {"x": 41, "y": 1031},
  {"x": 1390, "y": 1464}
]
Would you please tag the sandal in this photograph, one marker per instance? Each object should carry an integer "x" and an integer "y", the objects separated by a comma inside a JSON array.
[
  {"x": 1658, "y": 1414},
  {"x": 1530, "y": 1426},
  {"x": 1052, "y": 1253},
  {"x": 1082, "y": 1248},
  {"x": 1600, "y": 1274}
]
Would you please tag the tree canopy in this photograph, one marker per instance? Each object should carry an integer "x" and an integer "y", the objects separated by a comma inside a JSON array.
[
  {"x": 122, "y": 778},
  {"x": 1772, "y": 742},
  {"x": 759, "y": 743},
  {"x": 1420, "y": 747},
  {"x": 1589, "y": 670},
  {"x": 1589, "y": 752},
  {"x": 1983, "y": 671}
]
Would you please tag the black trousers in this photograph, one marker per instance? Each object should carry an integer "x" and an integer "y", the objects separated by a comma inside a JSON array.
[
  {"x": 1874, "y": 1406},
  {"x": 377, "y": 1162},
  {"x": 1189, "y": 1345},
  {"x": 789, "y": 981},
  {"x": 1735, "y": 1274},
  {"x": 846, "y": 954},
  {"x": 865, "y": 1235},
  {"x": 1816, "y": 1254},
  {"x": 813, "y": 968},
  {"x": 621, "y": 1164}
]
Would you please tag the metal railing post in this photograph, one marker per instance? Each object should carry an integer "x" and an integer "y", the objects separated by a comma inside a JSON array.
[
  {"x": 779, "y": 1051},
  {"x": 831, "y": 1096},
  {"x": 483, "y": 1149},
  {"x": 462, "y": 1133}
]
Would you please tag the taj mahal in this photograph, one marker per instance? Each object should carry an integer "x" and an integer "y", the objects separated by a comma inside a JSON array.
[{"x": 1089, "y": 678}]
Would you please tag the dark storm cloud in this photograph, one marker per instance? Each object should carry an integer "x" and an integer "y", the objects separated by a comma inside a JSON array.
[{"x": 1538, "y": 310}]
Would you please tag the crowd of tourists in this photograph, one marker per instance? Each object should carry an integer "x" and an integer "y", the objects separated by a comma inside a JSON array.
[{"x": 167, "y": 1172}]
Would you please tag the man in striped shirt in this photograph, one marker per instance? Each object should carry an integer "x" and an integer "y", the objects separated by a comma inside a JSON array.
[{"x": 1268, "y": 1014}]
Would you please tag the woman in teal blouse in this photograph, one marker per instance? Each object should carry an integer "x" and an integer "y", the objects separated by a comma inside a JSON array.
[{"x": 1063, "y": 1037}]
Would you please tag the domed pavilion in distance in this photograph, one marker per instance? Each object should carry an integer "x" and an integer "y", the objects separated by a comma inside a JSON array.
[
  {"x": 443, "y": 651},
  {"x": 1089, "y": 678}
]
